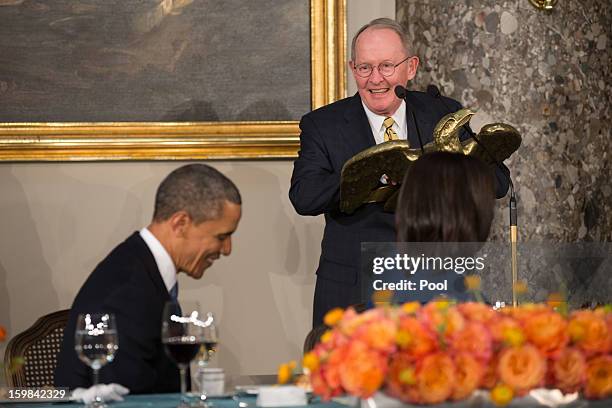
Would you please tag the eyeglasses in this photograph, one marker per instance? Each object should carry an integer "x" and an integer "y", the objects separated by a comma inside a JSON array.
[{"x": 386, "y": 68}]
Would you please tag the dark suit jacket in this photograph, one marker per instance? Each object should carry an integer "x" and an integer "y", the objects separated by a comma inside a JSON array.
[
  {"x": 128, "y": 284},
  {"x": 330, "y": 136}
]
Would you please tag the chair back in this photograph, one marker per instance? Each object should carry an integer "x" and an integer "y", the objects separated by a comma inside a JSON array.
[{"x": 38, "y": 346}]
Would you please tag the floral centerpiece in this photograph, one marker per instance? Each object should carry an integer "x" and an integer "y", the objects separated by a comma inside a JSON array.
[{"x": 444, "y": 351}]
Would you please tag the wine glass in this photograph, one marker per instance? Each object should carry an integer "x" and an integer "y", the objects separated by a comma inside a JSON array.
[
  {"x": 182, "y": 336},
  {"x": 210, "y": 335},
  {"x": 95, "y": 342}
]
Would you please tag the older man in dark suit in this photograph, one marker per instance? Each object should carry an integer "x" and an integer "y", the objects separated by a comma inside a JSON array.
[
  {"x": 381, "y": 59},
  {"x": 196, "y": 211}
]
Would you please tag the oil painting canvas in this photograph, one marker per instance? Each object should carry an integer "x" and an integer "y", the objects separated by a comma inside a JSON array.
[{"x": 154, "y": 60}]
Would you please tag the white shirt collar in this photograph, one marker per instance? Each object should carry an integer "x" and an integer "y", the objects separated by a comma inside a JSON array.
[
  {"x": 376, "y": 122},
  {"x": 163, "y": 260}
]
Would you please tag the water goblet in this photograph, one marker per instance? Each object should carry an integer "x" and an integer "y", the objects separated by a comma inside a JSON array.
[{"x": 96, "y": 343}]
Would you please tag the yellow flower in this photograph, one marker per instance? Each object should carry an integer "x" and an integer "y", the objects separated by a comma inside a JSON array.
[
  {"x": 576, "y": 331},
  {"x": 472, "y": 282},
  {"x": 513, "y": 336},
  {"x": 403, "y": 338},
  {"x": 442, "y": 304},
  {"x": 285, "y": 372},
  {"x": 501, "y": 395},
  {"x": 411, "y": 307},
  {"x": 407, "y": 376},
  {"x": 310, "y": 361},
  {"x": 326, "y": 337},
  {"x": 333, "y": 317}
]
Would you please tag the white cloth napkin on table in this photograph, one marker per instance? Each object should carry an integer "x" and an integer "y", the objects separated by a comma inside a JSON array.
[
  {"x": 108, "y": 392},
  {"x": 281, "y": 396}
]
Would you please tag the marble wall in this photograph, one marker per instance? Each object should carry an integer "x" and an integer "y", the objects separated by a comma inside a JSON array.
[{"x": 547, "y": 74}]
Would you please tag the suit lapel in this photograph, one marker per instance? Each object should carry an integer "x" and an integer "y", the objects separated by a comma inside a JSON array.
[
  {"x": 356, "y": 132},
  {"x": 418, "y": 121}
]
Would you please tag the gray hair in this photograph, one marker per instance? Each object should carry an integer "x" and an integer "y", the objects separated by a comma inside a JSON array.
[
  {"x": 198, "y": 189},
  {"x": 381, "y": 23}
]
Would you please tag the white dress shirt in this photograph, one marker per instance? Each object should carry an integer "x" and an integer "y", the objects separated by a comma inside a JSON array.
[
  {"x": 378, "y": 129},
  {"x": 162, "y": 258}
]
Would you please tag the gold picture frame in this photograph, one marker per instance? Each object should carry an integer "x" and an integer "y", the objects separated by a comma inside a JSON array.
[{"x": 101, "y": 141}]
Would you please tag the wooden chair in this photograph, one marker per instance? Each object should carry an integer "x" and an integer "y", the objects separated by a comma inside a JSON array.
[{"x": 38, "y": 346}]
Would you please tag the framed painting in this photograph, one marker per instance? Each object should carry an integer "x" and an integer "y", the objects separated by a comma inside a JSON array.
[{"x": 85, "y": 80}]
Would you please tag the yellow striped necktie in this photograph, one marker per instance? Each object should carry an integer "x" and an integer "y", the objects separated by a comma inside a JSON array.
[{"x": 389, "y": 132}]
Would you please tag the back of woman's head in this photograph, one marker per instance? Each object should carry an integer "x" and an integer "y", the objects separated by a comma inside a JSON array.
[{"x": 446, "y": 197}]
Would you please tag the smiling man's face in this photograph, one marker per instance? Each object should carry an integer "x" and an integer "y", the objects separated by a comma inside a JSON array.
[
  {"x": 373, "y": 46},
  {"x": 199, "y": 245}
]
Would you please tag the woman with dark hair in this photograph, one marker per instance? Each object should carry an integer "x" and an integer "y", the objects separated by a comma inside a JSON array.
[
  {"x": 445, "y": 203},
  {"x": 445, "y": 197}
]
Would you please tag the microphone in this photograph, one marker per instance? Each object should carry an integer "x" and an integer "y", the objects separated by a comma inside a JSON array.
[{"x": 402, "y": 93}]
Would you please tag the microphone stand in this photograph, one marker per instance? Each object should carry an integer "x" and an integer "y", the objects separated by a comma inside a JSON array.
[
  {"x": 513, "y": 244},
  {"x": 402, "y": 93},
  {"x": 433, "y": 91}
]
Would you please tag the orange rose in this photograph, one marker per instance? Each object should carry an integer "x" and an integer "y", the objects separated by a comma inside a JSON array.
[
  {"x": 2, "y": 334},
  {"x": 474, "y": 338},
  {"x": 502, "y": 326},
  {"x": 417, "y": 339},
  {"x": 478, "y": 312},
  {"x": 468, "y": 375},
  {"x": 435, "y": 378},
  {"x": 547, "y": 331},
  {"x": 363, "y": 370},
  {"x": 378, "y": 334},
  {"x": 352, "y": 320},
  {"x": 321, "y": 387},
  {"x": 599, "y": 378},
  {"x": 333, "y": 367},
  {"x": 442, "y": 318},
  {"x": 525, "y": 311},
  {"x": 568, "y": 370},
  {"x": 521, "y": 368},
  {"x": 589, "y": 331}
]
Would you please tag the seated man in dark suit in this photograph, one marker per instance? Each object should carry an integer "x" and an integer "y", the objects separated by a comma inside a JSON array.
[{"x": 196, "y": 211}]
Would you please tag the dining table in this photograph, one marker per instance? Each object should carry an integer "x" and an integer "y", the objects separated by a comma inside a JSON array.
[{"x": 237, "y": 397}]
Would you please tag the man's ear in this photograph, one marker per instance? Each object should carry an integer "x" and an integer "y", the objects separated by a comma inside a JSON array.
[
  {"x": 178, "y": 222},
  {"x": 413, "y": 64}
]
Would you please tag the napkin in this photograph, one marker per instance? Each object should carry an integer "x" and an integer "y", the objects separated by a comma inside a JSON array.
[
  {"x": 552, "y": 398},
  {"x": 108, "y": 392},
  {"x": 281, "y": 396}
]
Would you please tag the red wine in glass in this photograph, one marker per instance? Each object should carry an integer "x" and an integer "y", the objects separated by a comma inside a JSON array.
[{"x": 180, "y": 350}]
